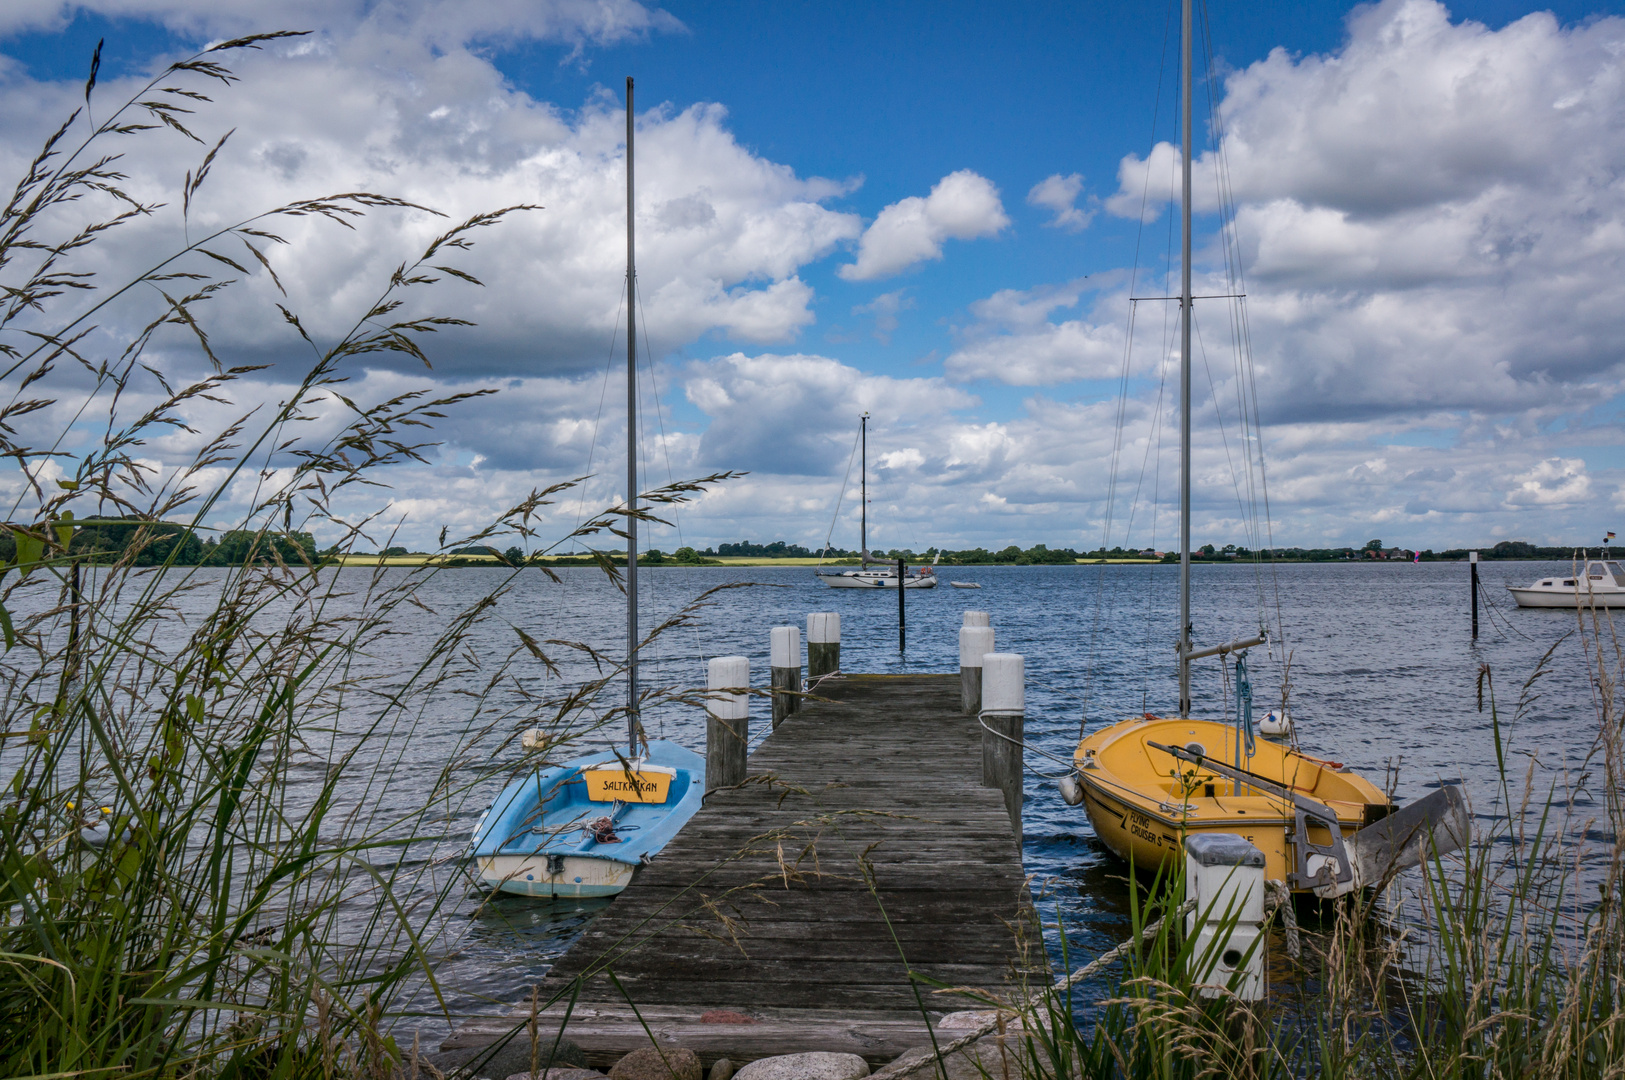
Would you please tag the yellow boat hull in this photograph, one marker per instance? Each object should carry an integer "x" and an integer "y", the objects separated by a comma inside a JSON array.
[{"x": 1143, "y": 802}]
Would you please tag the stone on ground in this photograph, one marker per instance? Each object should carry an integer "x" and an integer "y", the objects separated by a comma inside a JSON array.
[
  {"x": 721, "y": 1069},
  {"x": 665, "y": 1063},
  {"x": 564, "y": 1073},
  {"x": 468, "y": 1062},
  {"x": 813, "y": 1066},
  {"x": 963, "y": 1065}
]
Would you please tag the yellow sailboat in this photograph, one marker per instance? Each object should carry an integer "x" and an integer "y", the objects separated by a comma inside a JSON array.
[{"x": 1149, "y": 782}]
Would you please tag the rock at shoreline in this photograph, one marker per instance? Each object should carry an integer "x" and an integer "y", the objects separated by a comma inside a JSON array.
[
  {"x": 721, "y": 1069},
  {"x": 963, "y": 1065},
  {"x": 512, "y": 1058},
  {"x": 813, "y": 1066},
  {"x": 567, "y": 1073},
  {"x": 964, "y": 1021},
  {"x": 674, "y": 1063}
]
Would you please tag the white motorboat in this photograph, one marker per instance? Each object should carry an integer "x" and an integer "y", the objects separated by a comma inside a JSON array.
[
  {"x": 885, "y": 576},
  {"x": 1601, "y": 584},
  {"x": 923, "y": 577}
]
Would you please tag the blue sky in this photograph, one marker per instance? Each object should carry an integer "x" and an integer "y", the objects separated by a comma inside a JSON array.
[{"x": 1431, "y": 273}]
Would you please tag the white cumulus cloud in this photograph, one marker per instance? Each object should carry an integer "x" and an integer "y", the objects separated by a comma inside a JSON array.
[
  {"x": 962, "y": 206},
  {"x": 1059, "y": 195},
  {"x": 1553, "y": 482},
  {"x": 1014, "y": 340}
]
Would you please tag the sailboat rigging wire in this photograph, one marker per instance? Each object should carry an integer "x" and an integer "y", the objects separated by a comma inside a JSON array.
[
  {"x": 838, "y": 500},
  {"x": 1236, "y": 275},
  {"x": 1122, "y": 390},
  {"x": 1249, "y": 522},
  {"x": 651, "y": 581},
  {"x": 665, "y": 451},
  {"x": 603, "y": 390}
]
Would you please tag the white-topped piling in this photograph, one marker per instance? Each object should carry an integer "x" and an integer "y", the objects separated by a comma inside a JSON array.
[
  {"x": 975, "y": 642},
  {"x": 1224, "y": 874},
  {"x": 1004, "y": 708},
  {"x": 976, "y": 618},
  {"x": 727, "y": 721},
  {"x": 823, "y": 644},
  {"x": 786, "y": 674}
]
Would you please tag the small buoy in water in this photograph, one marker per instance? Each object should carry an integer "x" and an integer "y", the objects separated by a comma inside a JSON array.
[
  {"x": 534, "y": 739},
  {"x": 1071, "y": 790},
  {"x": 1273, "y": 726}
]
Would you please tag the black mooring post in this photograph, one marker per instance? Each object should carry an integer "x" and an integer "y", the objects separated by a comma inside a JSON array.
[
  {"x": 1472, "y": 563},
  {"x": 901, "y": 638}
]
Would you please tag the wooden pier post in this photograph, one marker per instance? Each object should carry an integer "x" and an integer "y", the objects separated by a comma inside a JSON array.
[
  {"x": 977, "y": 618},
  {"x": 823, "y": 645},
  {"x": 902, "y": 587},
  {"x": 1004, "y": 706},
  {"x": 727, "y": 721},
  {"x": 975, "y": 642},
  {"x": 786, "y": 662}
]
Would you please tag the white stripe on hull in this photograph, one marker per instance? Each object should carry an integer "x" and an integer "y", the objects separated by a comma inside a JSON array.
[
  {"x": 1568, "y": 598},
  {"x": 526, "y": 875}
]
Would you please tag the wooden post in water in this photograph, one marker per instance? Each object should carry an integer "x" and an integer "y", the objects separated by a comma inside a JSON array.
[
  {"x": 1472, "y": 563},
  {"x": 977, "y": 618},
  {"x": 823, "y": 645},
  {"x": 727, "y": 721},
  {"x": 901, "y": 586},
  {"x": 72, "y": 665},
  {"x": 1004, "y": 706},
  {"x": 975, "y": 642},
  {"x": 786, "y": 661}
]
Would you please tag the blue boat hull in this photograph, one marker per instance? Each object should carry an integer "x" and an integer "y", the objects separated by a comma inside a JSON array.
[{"x": 538, "y": 837}]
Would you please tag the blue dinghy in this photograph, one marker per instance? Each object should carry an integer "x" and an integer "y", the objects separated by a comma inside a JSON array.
[{"x": 582, "y": 828}]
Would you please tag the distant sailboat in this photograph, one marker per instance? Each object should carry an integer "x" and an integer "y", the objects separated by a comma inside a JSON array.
[
  {"x": 582, "y": 828},
  {"x": 924, "y": 577}
]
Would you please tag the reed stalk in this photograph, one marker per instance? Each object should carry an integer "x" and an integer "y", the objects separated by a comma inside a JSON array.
[
  {"x": 218, "y": 854},
  {"x": 1495, "y": 962}
]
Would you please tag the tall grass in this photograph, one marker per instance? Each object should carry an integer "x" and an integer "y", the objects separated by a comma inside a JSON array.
[{"x": 219, "y": 854}]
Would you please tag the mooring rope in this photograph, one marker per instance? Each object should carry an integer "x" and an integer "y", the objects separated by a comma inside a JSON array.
[
  {"x": 987, "y": 1027},
  {"x": 1278, "y": 898}
]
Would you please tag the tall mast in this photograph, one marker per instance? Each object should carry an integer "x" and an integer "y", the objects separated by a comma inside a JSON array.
[
  {"x": 631, "y": 452},
  {"x": 863, "y": 492},
  {"x": 1185, "y": 365}
]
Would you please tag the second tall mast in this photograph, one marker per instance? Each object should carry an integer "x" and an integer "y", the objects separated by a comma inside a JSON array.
[
  {"x": 1185, "y": 365},
  {"x": 631, "y": 452}
]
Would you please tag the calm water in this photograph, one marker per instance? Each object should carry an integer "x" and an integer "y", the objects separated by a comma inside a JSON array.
[
  {"x": 1383, "y": 673},
  {"x": 1383, "y": 669}
]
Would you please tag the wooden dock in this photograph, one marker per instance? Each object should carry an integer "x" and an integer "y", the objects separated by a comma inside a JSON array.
[{"x": 861, "y": 845}]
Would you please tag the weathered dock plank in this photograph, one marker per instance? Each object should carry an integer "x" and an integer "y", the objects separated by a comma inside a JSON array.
[{"x": 860, "y": 848}]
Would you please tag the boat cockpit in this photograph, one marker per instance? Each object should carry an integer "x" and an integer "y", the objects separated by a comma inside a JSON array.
[{"x": 1599, "y": 573}]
